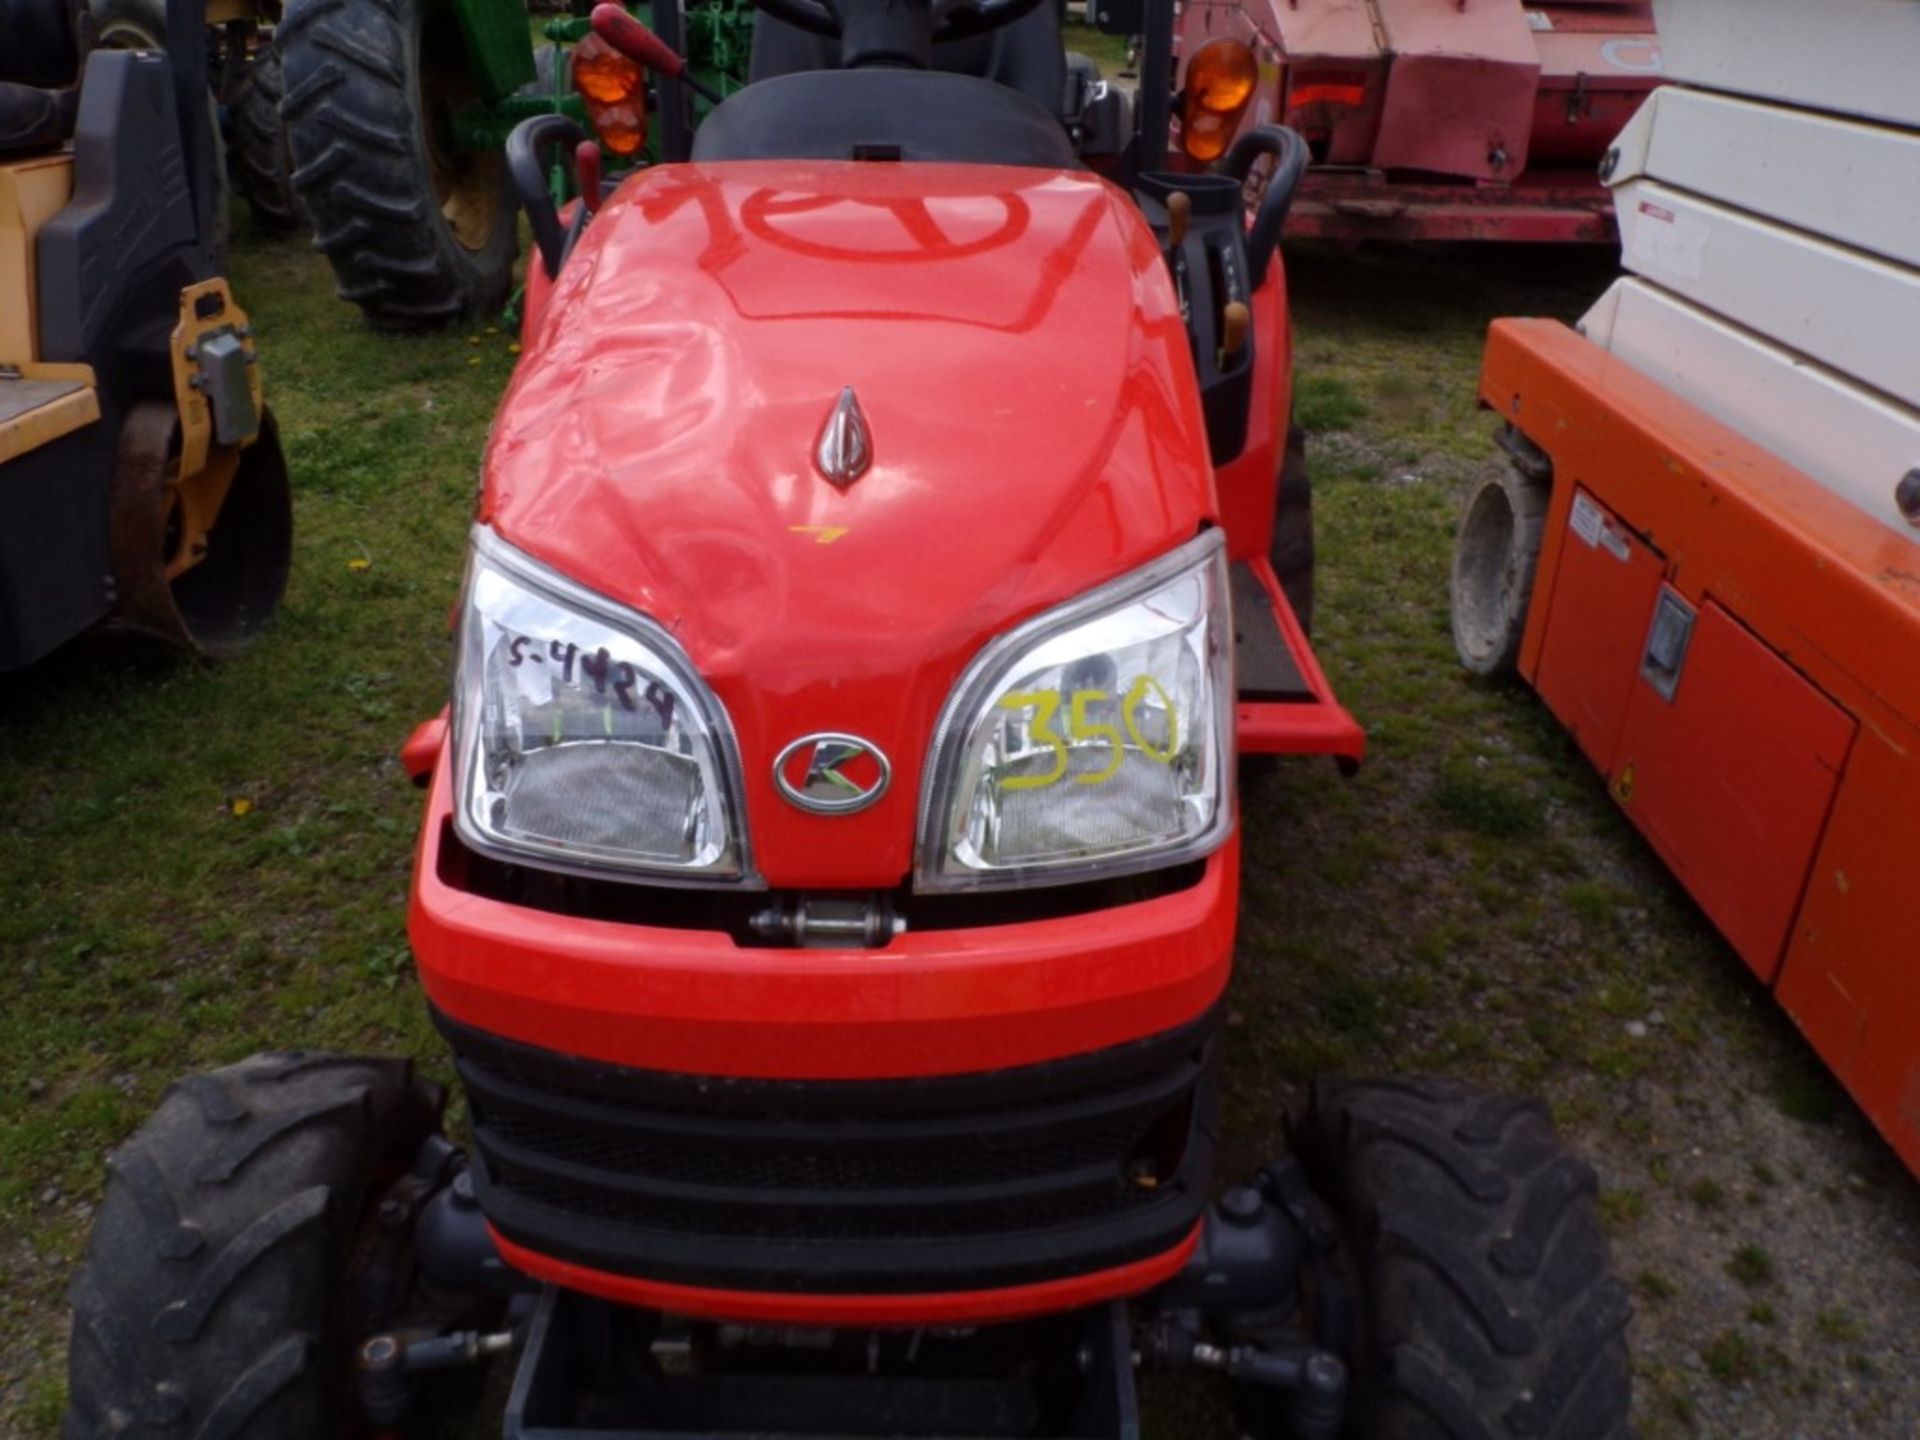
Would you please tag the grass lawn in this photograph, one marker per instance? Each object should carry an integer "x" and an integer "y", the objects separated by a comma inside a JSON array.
[{"x": 200, "y": 862}]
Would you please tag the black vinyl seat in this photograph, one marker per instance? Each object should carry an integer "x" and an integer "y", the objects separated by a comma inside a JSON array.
[
  {"x": 884, "y": 114},
  {"x": 39, "y": 63},
  {"x": 34, "y": 119},
  {"x": 38, "y": 46},
  {"x": 1028, "y": 55}
]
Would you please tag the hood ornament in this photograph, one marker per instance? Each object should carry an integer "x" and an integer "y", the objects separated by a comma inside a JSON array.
[{"x": 846, "y": 446}]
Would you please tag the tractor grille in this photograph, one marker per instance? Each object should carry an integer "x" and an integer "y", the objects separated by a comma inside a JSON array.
[{"x": 900, "y": 1186}]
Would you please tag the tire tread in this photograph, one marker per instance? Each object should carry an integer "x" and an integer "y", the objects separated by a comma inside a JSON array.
[
  {"x": 1477, "y": 1241},
  {"x": 258, "y": 159},
  {"x": 210, "y": 1296},
  {"x": 361, "y": 165}
]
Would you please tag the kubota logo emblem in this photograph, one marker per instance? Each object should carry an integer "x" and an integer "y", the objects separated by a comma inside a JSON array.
[{"x": 832, "y": 774}]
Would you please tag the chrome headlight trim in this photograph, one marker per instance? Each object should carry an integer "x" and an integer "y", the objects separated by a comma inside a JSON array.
[
  {"x": 488, "y": 551},
  {"x": 961, "y": 716}
]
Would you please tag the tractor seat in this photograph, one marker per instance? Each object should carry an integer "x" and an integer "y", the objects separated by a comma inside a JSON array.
[
  {"x": 37, "y": 44},
  {"x": 35, "y": 119},
  {"x": 884, "y": 114},
  {"x": 1029, "y": 55},
  {"x": 39, "y": 62}
]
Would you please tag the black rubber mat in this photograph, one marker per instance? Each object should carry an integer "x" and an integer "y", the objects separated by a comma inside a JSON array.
[{"x": 1266, "y": 667}]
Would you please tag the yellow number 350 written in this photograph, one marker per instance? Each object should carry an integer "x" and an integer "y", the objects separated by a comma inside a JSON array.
[{"x": 1082, "y": 728}]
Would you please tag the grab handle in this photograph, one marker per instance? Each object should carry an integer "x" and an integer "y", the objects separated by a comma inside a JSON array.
[
  {"x": 1290, "y": 158},
  {"x": 529, "y": 138}
]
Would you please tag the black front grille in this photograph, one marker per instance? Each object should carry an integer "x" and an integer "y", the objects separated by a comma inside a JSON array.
[{"x": 897, "y": 1186}]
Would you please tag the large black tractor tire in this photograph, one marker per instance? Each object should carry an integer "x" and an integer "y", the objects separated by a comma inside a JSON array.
[
  {"x": 1291, "y": 549},
  {"x": 213, "y": 1301},
  {"x": 258, "y": 158},
  {"x": 1491, "y": 1309},
  {"x": 420, "y": 232}
]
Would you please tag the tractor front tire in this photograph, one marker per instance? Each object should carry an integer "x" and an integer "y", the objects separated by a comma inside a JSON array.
[
  {"x": 1474, "y": 1234},
  {"x": 421, "y": 232},
  {"x": 213, "y": 1300},
  {"x": 257, "y": 154}
]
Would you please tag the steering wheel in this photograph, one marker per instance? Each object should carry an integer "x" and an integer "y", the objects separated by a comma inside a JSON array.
[{"x": 950, "y": 19}]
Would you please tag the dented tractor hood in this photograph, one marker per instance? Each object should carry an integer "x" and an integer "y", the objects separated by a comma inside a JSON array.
[{"x": 1020, "y": 363}]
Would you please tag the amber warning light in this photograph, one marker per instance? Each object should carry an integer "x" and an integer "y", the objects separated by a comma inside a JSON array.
[
  {"x": 1220, "y": 81},
  {"x": 614, "y": 87}
]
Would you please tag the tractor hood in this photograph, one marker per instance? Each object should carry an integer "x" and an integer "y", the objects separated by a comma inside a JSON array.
[{"x": 1021, "y": 370}]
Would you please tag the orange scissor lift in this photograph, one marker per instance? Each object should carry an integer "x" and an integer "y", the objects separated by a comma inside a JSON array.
[{"x": 1705, "y": 556}]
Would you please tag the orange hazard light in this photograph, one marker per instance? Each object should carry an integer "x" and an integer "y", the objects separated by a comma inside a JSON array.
[
  {"x": 613, "y": 85},
  {"x": 602, "y": 73},
  {"x": 1220, "y": 81}
]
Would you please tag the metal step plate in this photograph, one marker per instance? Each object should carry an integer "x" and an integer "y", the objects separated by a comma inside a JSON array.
[
  {"x": 18, "y": 396},
  {"x": 1266, "y": 666},
  {"x": 36, "y": 410}
]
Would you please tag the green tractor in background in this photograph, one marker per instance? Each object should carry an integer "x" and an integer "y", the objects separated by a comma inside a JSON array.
[
  {"x": 380, "y": 125},
  {"x": 396, "y": 114}
]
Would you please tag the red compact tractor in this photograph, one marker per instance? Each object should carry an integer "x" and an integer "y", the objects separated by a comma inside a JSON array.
[
  {"x": 1427, "y": 119},
  {"x": 830, "y": 866}
]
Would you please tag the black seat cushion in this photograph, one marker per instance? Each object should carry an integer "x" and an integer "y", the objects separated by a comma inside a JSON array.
[
  {"x": 879, "y": 114},
  {"x": 1028, "y": 55},
  {"x": 37, "y": 44},
  {"x": 35, "y": 119}
]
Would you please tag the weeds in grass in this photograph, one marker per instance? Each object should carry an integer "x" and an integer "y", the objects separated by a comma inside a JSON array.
[
  {"x": 1323, "y": 402},
  {"x": 1707, "y": 1194},
  {"x": 1353, "y": 1006},
  {"x": 1485, "y": 804},
  {"x": 1751, "y": 1265},
  {"x": 1803, "y": 1091},
  {"x": 1731, "y": 1358},
  {"x": 1837, "y": 1327},
  {"x": 1655, "y": 1287},
  {"x": 46, "y": 1402},
  {"x": 1622, "y": 1208},
  {"x": 1593, "y": 904}
]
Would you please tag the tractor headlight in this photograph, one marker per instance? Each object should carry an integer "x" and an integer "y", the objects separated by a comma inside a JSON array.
[
  {"x": 583, "y": 738},
  {"x": 1093, "y": 740}
]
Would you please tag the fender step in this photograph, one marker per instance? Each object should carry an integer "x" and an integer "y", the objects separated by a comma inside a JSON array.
[{"x": 1286, "y": 706}]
